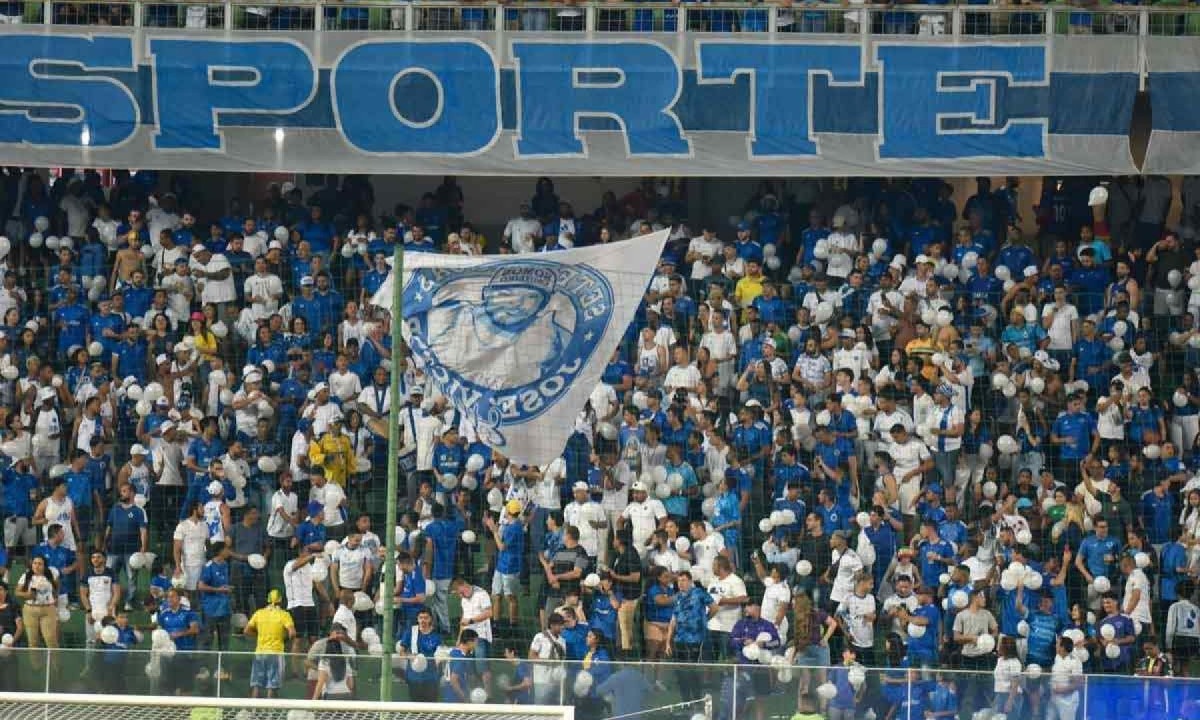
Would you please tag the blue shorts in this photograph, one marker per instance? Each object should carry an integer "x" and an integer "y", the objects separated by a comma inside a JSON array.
[{"x": 266, "y": 671}]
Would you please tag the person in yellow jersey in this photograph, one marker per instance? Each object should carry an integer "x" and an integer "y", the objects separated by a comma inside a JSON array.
[
  {"x": 333, "y": 451},
  {"x": 273, "y": 628}
]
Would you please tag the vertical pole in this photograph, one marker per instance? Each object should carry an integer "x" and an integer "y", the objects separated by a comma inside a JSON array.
[{"x": 393, "y": 476}]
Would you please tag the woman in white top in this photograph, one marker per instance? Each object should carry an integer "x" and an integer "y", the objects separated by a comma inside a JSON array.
[
  {"x": 352, "y": 326},
  {"x": 1007, "y": 679},
  {"x": 38, "y": 590},
  {"x": 335, "y": 674}
]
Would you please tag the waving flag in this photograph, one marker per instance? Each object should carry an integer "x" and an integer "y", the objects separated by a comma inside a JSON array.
[{"x": 517, "y": 343}]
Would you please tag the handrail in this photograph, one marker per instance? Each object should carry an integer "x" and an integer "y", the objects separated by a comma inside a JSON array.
[{"x": 953, "y": 20}]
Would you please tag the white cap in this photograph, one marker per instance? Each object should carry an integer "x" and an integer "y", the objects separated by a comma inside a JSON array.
[
  {"x": 168, "y": 425},
  {"x": 162, "y": 401},
  {"x": 253, "y": 377},
  {"x": 306, "y": 280},
  {"x": 274, "y": 245},
  {"x": 137, "y": 449},
  {"x": 199, "y": 248},
  {"x": 639, "y": 486},
  {"x": 580, "y": 486},
  {"x": 318, "y": 388}
]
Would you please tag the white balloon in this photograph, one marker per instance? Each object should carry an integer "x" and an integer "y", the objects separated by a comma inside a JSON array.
[
  {"x": 468, "y": 537},
  {"x": 418, "y": 663},
  {"x": 256, "y": 561},
  {"x": 959, "y": 599},
  {"x": 827, "y": 691},
  {"x": 1101, "y": 584},
  {"x": 916, "y": 631},
  {"x": 990, "y": 490},
  {"x": 1142, "y": 560},
  {"x": 1108, "y": 632},
  {"x": 1033, "y": 671},
  {"x": 804, "y": 568},
  {"x": 475, "y": 463},
  {"x": 1174, "y": 278},
  {"x": 986, "y": 643},
  {"x": 1153, "y": 452},
  {"x": 1112, "y": 652},
  {"x": 1023, "y": 629}
]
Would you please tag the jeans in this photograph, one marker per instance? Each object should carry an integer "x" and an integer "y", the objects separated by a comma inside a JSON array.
[
  {"x": 437, "y": 603},
  {"x": 119, "y": 564}
]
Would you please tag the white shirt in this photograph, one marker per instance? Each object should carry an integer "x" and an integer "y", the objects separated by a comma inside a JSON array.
[
  {"x": 582, "y": 515},
  {"x": 856, "y": 360},
  {"x": 330, "y": 496},
  {"x": 893, "y": 602},
  {"x": 476, "y": 605},
  {"x": 951, "y": 415},
  {"x": 854, "y": 611},
  {"x": 267, "y": 289},
  {"x": 516, "y": 230},
  {"x": 1137, "y": 581},
  {"x": 352, "y": 564},
  {"x": 849, "y": 565},
  {"x": 686, "y": 378},
  {"x": 217, "y": 291},
  {"x": 193, "y": 534},
  {"x": 1065, "y": 669},
  {"x": 1008, "y": 670},
  {"x": 345, "y": 386},
  {"x": 720, "y": 345},
  {"x": 908, "y": 457},
  {"x": 298, "y": 585},
  {"x": 705, "y": 250},
  {"x": 1061, "y": 337},
  {"x": 344, "y": 616},
  {"x": 604, "y": 400},
  {"x": 726, "y": 617},
  {"x": 277, "y": 527},
  {"x": 546, "y": 647},
  {"x": 643, "y": 518},
  {"x": 777, "y": 596},
  {"x": 77, "y": 215},
  {"x": 706, "y": 551}
]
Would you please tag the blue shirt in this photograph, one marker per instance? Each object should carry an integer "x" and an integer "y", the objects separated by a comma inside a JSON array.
[
  {"x": 931, "y": 570},
  {"x": 174, "y": 621},
  {"x": 215, "y": 574},
  {"x": 1078, "y": 428},
  {"x": 575, "y": 640},
  {"x": 444, "y": 534},
  {"x": 1123, "y": 626},
  {"x": 457, "y": 666},
  {"x": 691, "y": 616},
  {"x": 508, "y": 562},
  {"x": 1174, "y": 556},
  {"x": 126, "y": 524},
  {"x": 652, "y": 611},
  {"x": 1093, "y": 551},
  {"x": 17, "y": 486},
  {"x": 427, "y": 645},
  {"x": 79, "y": 489},
  {"x": 1043, "y": 634},
  {"x": 1158, "y": 513},
  {"x": 924, "y": 648},
  {"x": 604, "y": 616}
]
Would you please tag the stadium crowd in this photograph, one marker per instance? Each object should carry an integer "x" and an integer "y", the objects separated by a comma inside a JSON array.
[{"x": 861, "y": 424}]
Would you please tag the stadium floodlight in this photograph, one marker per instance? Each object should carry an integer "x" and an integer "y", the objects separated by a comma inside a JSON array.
[{"x": 68, "y": 706}]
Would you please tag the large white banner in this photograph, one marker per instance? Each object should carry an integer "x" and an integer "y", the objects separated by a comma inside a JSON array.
[{"x": 517, "y": 343}]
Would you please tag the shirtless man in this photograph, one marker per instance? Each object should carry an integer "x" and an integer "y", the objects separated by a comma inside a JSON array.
[{"x": 129, "y": 258}]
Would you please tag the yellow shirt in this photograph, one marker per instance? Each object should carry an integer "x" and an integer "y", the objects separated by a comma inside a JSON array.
[
  {"x": 272, "y": 624},
  {"x": 334, "y": 453},
  {"x": 747, "y": 290},
  {"x": 206, "y": 344}
]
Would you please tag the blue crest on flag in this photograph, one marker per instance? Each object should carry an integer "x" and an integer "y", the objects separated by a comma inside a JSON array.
[{"x": 505, "y": 340}]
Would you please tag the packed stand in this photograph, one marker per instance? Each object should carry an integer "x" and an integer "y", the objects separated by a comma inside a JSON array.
[{"x": 858, "y": 425}]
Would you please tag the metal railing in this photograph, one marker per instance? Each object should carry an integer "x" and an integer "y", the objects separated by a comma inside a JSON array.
[
  {"x": 955, "y": 20},
  {"x": 778, "y": 685}
]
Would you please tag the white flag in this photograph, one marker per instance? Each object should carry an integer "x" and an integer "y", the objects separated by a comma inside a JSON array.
[{"x": 517, "y": 343}]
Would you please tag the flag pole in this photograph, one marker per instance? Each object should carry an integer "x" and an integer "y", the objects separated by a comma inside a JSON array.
[{"x": 393, "y": 476}]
